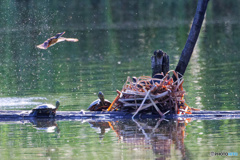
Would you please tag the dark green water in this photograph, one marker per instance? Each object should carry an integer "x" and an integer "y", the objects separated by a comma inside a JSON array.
[{"x": 116, "y": 40}]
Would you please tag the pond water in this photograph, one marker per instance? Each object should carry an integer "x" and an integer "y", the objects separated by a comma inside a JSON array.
[{"x": 116, "y": 40}]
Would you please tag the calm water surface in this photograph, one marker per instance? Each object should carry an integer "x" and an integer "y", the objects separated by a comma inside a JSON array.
[{"x": 116, "y": 40}]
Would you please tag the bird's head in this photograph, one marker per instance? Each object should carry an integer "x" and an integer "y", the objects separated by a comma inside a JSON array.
[{"x": 59, "y": 35}]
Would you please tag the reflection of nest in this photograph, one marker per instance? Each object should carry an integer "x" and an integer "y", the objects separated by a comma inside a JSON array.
[{"x": 150, "y": 134}]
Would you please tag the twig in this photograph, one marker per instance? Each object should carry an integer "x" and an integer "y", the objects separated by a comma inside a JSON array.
[
  {"x": 141, "y": 105},
  {"x": 156, "y": 107},
  {"x": 110, "y": 107},
  {"x": 162, "y": 94}
]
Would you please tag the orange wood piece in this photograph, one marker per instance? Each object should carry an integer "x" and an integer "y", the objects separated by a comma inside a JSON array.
[{"x": 118, "y": 96}]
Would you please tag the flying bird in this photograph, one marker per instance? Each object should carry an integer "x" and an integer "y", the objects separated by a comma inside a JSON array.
[{"x": 53, "y": 40}]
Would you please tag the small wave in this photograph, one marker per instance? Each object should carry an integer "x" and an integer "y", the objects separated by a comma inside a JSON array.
[{"x": 16, "y": 102}]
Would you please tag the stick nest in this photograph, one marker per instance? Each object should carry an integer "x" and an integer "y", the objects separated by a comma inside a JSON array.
[{"x": 152, "y": 95}]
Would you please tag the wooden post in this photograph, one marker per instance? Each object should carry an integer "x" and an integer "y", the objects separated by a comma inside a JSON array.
[
  {"x": 160, "y": 62},
  {"x": 192, "y": 37}
]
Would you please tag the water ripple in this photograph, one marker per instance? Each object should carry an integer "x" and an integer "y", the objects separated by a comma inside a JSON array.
[{"x": 17, "y": 102}]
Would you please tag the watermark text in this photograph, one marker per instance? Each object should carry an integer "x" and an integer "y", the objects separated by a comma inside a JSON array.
[{"x": 223, "y": 154}]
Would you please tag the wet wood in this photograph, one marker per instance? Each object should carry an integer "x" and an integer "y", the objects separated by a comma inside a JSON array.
[
  {"x": 103, "y": 115},
  {"x": 71, "y": 115},
  {"x": 192, "y": 37}
]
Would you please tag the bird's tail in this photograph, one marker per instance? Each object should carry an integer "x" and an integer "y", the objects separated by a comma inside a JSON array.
[{"x": 42, "y": 46}]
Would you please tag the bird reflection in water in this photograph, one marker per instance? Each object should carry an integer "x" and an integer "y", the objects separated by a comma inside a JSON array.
[{"x": 159, "y": 135}]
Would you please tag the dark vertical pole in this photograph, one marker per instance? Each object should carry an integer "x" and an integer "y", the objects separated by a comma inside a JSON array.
[{"x": 192, "y": 37}]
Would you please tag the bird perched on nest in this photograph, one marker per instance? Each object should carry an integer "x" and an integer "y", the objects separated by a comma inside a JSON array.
[{"x": 53, "y": 40}]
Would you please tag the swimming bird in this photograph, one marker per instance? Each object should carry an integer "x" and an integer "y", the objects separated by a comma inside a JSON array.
[{"x": 53, "y": 40}]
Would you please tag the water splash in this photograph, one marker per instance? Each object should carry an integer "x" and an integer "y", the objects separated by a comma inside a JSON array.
[{"x": 18, "y": 103}]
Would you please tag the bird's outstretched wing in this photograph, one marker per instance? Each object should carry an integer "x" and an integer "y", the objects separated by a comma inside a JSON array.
[
  {"x": 53, "y": 40},
  {"x": 71, "y": 39},
  {"x": 67, "y": 39}
]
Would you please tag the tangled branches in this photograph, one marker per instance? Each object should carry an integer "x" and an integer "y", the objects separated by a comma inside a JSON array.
[{"x": 152, "y": 95}]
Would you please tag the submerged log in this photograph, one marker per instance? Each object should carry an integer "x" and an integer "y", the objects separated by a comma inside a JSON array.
[
  {"x": 15, "y": 115},
  {"x": 115, "y": 115}
]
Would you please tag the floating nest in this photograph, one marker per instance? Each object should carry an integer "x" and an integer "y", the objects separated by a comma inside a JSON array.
[{"x": 152, "y": 95}]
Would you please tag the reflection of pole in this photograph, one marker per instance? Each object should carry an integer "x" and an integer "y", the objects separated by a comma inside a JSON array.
[{"x": 192, "y": 37}]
